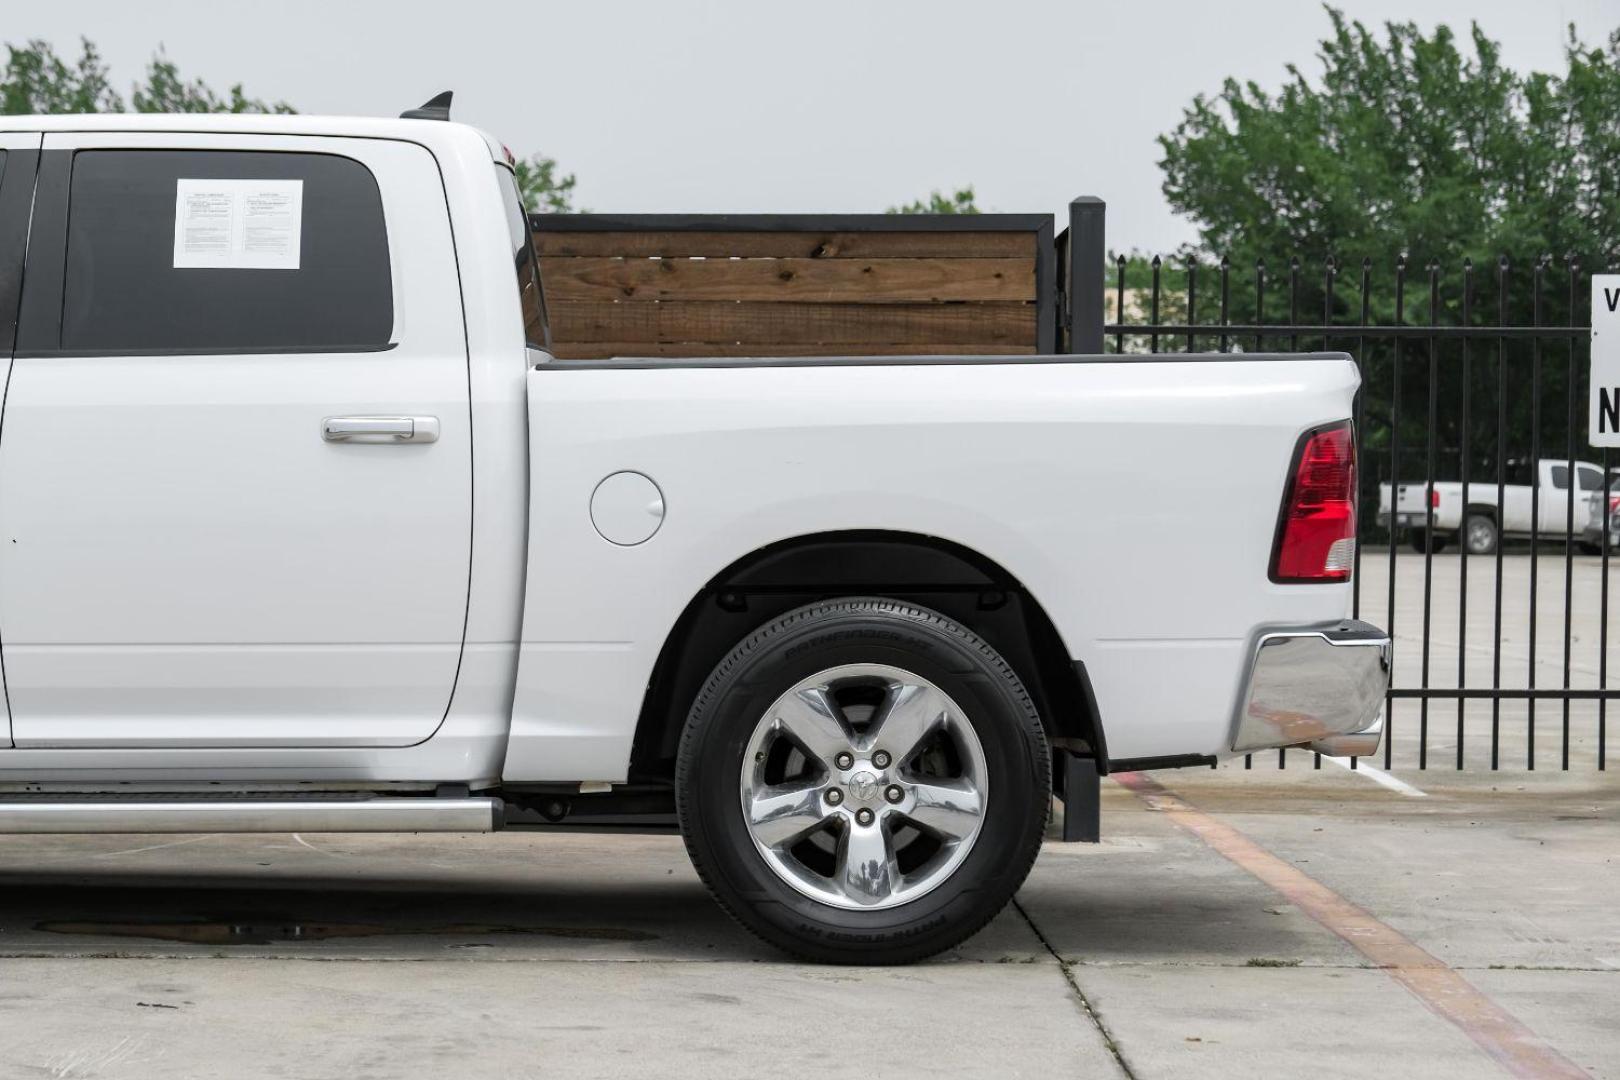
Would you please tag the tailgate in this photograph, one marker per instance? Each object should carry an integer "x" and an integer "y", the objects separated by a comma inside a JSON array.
[{"x": 1413, "y": 498}]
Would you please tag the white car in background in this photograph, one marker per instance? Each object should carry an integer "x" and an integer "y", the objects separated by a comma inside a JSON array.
[{"x": 1433, "y": 515}]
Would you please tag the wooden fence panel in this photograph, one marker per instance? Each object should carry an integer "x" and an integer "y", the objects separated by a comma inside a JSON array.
[
  {"x": 719, "y": 285},
  {"x": 851, "y": 281}
]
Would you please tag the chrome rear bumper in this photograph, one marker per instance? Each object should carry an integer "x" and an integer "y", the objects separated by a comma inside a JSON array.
[{"x": 1320, "y": 686}]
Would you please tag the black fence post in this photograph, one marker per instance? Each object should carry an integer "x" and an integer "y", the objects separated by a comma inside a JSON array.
[{"x": 1087, "y": 260}]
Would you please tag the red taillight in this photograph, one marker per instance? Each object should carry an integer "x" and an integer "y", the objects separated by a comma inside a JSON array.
[
  {"x": 1316, "y": 538},
  {"x": 1614, "y": 503},
  {"x": 1434, "y": 496}
]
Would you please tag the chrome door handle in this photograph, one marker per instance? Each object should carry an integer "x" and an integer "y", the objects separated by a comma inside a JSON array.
[{"x": 381, "y": 429}]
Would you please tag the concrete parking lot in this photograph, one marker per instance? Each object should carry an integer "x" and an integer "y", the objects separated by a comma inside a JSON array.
[{"x": 1170, "y": 950}]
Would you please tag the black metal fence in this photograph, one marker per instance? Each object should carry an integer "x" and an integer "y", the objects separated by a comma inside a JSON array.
[{"x": 1472, "y": 374}]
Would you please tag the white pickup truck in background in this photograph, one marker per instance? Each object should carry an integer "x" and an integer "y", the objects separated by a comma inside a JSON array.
[
  {"x": 1541, "y": 497},
  {"x": 302, "y": 528}
]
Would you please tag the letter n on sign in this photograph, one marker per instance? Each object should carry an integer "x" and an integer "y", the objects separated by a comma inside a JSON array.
[{"x": 1603, "y": 427}]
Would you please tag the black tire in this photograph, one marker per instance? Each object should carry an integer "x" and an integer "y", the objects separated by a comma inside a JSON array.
[
  {"x": 1480, "y": 535},
  {"x": 1589, "y": 548},
  {"x": 800, "y": 644},
  {"x": 1422, "y": 540}
]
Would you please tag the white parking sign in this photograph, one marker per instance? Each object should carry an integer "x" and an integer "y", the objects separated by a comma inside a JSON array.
[{"x": 1604, "y": 426}]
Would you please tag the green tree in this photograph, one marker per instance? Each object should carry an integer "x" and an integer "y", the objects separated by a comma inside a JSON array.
[
  {"x": 35, "y": 80},
  {"x": 166, "y": 92},
  {"x": 1406, "y": 144},
  {"x": 543, "y": 190},
  {"x": 960, "y": 201}
]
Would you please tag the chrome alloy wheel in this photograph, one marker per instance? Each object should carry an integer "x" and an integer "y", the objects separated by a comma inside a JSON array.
[{"x": 864, "y": 786}]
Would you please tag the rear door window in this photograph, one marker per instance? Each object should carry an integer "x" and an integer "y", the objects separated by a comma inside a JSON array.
[{"x": 317, "y": 279}]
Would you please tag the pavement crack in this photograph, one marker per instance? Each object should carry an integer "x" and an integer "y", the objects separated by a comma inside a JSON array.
[{"x": 1086, "y": 1007}]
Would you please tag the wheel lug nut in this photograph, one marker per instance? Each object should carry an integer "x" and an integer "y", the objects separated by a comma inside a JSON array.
[
  {"x": 844, "y": 760},
  {"x": 834, "y": 796},
  {"x": 864, "y": 816},
  {"x": 894, "y": 793},
  {"x": 881, "y": 759}
]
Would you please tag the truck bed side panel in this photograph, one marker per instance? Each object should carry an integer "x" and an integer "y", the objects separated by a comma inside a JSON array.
[{"x": 1137, "y": 502}]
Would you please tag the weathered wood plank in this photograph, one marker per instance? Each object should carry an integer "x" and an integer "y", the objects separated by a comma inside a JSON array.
[
  {"x": 789, "y": 245},
  {"x": 995, "y": 323},
  {"x": 859, "y": 281},
  {"x": 597, "y": 350}
]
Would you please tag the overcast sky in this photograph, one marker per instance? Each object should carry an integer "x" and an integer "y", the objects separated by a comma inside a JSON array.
[{"x": 748, "y": 105}]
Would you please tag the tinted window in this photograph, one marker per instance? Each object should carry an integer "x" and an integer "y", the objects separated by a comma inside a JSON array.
[
  {"x": 535, "y": 329},
  {"x": 1560, "y": 477},
  {"x": 1590, "y": 479},
  {"x": 123, "y": 291}
]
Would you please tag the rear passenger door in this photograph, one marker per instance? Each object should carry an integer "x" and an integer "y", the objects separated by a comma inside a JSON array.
[
  {"x": 19, "y": 158},
  {"x": 235, "y": 465}
]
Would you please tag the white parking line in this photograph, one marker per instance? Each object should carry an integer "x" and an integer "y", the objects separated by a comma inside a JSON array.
[{"x": 1378, "y": 776}]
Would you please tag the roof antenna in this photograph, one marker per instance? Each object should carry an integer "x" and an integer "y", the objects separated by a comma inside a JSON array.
[{"x": 435, "y": 108}]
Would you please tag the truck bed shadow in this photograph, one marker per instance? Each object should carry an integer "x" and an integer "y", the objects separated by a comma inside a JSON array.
[{"x": 41, "y": 911}]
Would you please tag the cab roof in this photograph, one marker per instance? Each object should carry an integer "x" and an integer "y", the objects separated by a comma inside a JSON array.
[{"x": 363, "y": 127}]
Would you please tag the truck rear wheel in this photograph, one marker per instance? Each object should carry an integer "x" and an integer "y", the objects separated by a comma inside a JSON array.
[{"x": 863, "y": 781}]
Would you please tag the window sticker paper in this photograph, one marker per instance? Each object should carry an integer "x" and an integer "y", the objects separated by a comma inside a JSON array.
[{"x": 238, "y": 224}]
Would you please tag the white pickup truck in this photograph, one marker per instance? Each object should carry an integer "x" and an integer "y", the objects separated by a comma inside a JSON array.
[
  {"x": 1433, "y": 515},
  {"x": 302, "y": 528}
]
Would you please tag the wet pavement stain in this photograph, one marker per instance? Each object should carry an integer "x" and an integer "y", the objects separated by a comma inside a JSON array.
[{"x": 261, "y": 932}]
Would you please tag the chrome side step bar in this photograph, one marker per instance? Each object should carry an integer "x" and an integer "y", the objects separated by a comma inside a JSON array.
[{"x": 114, "y": 815}]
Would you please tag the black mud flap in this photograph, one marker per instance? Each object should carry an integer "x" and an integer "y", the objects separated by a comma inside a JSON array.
[{"x": 1082, "y": 799}]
